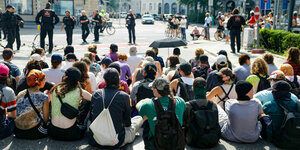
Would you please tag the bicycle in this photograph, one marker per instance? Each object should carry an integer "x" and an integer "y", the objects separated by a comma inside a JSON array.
[
  {"x": 36, "y": 44},
  {"x": 110, "y": 29},
  {"x": 221, "y": 35}
]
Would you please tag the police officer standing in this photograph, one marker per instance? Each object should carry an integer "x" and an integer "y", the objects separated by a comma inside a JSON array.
[
  {"x": 84, "y": 20},
  {"x": 20, "y": 23},
  {"x": 9, "y": 25},
  {"x": 130, "y": 24},
  {"x": 68, "y": 21},
  {"x": 47, "y": 25},
  {"x": 98, "y": 20},
  {"x": 1, "y": 29},
  {"x": 234, "y": 25}
]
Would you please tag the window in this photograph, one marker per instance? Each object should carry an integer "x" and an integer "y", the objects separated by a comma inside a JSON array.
[
  {"x": 62, "y": 5},
  {"x": 144, "y": 6},
  {"x": 166, "y": 8},
  {"x": 150, "y": 6},
  {"x": 174, "y": 8},
  {"x": 23, "y": 7}
]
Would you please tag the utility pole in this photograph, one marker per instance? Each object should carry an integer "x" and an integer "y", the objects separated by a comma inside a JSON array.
[{"x": 291, "y": 13}]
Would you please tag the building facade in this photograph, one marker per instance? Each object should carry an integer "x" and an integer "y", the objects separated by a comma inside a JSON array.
[
  {"x": 151, "y": 6},
  {"x": 173, "y": 7},
  {"x": 28, "y": 9},
  {"x": 136, "y": 6}
]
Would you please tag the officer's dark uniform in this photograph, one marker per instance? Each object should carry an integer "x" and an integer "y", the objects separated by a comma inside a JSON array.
[
  {"x": 1, "y": 29},
  {"x": 130, "y": 21},
  {"x": 85, "y": 27},
  {"x": 69, "y": 26},
  {"x": 97, "y": 26},
  {"x": 235, "y": 25},
  {"x": 18, "y": 39},
  {"x": 47, "y": 26},
  {"x": 9, "y": 21}
]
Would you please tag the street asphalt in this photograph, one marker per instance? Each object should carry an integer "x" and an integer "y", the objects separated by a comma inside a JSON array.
[{"x": 145, "y": 34}]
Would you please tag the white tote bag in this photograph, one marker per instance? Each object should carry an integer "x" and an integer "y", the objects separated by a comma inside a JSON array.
[{"x": 103, "y": 127}]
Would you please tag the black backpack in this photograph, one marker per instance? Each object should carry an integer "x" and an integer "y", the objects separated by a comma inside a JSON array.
[
  {"x": 226, "y": 95},
  {"x": 144, "y": 90},
  {"x": 186, "y": 91},
  {"x": 295, "y": 86},
  {"x": 289, "y": 133},
  {"x": 201, "y": 72},
  {"x": 263, "y": 83},
  {"x": 168, "y": 131},
  {"x": 203, "y": 130}
]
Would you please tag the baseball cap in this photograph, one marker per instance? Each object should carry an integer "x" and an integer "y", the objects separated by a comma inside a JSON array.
[
  {"x": 221, "y": 60},
  {"x": 71, "y": 56},
  {"x": 225, "y": 71},
  {"x": 150, "y": 68},
  {"x": 132, "y": 51},
  {"x": 203, "y": 59},
  {"x": 176, "y": 51},
  {"x": 116, "y": 66},
  {"x": 9, "y": 6},
  {"x": 114, "y": 47},
  {"x": 106, "y": 60},
  {"x": 73, "y": 74},
  {"x": 57, "y": 57},
  {"x": 281, "y": 86},
  {"x": 7, "y": 53},
  {"x": 222, "y": 52},
  {"x": 160, "y": 83},
  {"x": 276, "y": 75},
  {"x": 111, "y": 74},
  {"x": 3, "y": 70},
  {"x": 186, "y": 68},
  {"x": 36, "y": 57}
]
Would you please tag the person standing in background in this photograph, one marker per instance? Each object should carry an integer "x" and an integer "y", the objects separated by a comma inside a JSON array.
[
  {"x": 84, "y": 20},
  {"x": 130, "y": 24},
  {"x": 20, "y": 21},
  {"x": 9, "y": 24},
  {"x": 98, "y": 20},
  {"x": 183, "y": 27},
  {"x": 1, "y": 28},
  {"x": 207, "y": 26},
  {"x": 234, "y": 25},
  {"x": 68, "y": 21}
]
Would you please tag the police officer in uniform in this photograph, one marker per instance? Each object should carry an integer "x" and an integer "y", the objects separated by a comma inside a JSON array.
[
  {"x": 68, "y": 21},
  {"x": 98, "y": 20},
  {"x": 1, "y": 29},
  {"x": 20, "y": 23},
  {"x": 9, "y": 21},
  {"x": 47, "y": 25},
  {"x": 130, "y": 23},
  {"x": 84, "y": 20},
  {"x": 234, "y": 25}
]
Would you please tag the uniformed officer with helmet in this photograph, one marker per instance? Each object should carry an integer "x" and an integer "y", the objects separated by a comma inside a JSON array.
[
  {"x": 48, "y": 21},
  {"x": 68, "y": 22},
  {"x": 98, "y": 22},
  {"x": 234, "y": 24}
]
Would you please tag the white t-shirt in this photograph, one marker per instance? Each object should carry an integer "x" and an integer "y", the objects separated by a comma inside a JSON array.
[
  {"x": 93, "y": 82},
  {"x": 54, "y": 75},
  {"x": 207, "y": 21},
  {"x": 183, "y": 23},
  {"x": 66, "y": 65},
  {"x": 133, "y": 62}
]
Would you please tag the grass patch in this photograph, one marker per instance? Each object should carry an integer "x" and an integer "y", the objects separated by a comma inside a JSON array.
[{"x": 278, "y": 53}]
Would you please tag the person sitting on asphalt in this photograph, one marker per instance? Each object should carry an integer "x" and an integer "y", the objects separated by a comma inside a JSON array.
[
  {"x": 223, "y": 52},
  {"x": 280, "y": 91},
  {"x": 195, "y": 33},
  {"x": 118, "y": 103},
  {"x": 158, "y": 58},
  {"x": 182, "y": 87},
  {"x": 125, "y": 70},
  {"x": 68, "y": 91},
  {"x": 174, "y": 61},
  {"x": 163, "y": 94},
  {"x": 195, "y": 61},
  {"x": 113, "y": 54},
  {"x": 243, "y": 71},
  {"x": 12, "y": 80},
  {"x": 293, "y": 59},
  {"x": 138, "y": 73},
  {"x": 68, "y": 49},
  {"x": 269, "y": 58},
  {"x": 258, "y": 79},
  {"x": 42, "y": 53},
  {"x": 241, "y": 125},
  {"x": 212, "y": 79},
  {"x": 123, "y": 84},
  {"x": 55, "y": 73},
  {"x": 151, "y": 53},
  {"x": 32, "y": 108},
  {"x": 202, "y": 69},
  {"x": 91, "y": 72},
  {"x": 133, "y": 60},
  {"x": 8, "y": 55},
  {"x": 8, "y": 104},
  {"x": 84, "y": 78},
  {"x": 93, "y": 50},
  {"x": 69, "y": 61},
  {"x": 176, "y": 52},
  {"x": 105, "y": 62},
  {"x": 220, "y": 94}
]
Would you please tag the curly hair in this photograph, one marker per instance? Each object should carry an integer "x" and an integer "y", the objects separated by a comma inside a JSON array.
[
  {"x": 259, "y": 66},
  {"x": 122, "y": 56},
  {"x": 293, "y": 55}
]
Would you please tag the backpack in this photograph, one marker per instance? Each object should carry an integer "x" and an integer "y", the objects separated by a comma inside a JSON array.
[
  {"x": 201, "y": 72},
  {"x": 289, "y": 133},
  {"x": 295, "y": 86},
  {"x": 186, "y": 91},
  {"x": 203, "y": 130},
  {"x": 103, "y": 127},
  {"x": 168, "y": 131},
  {"x": 2, "y": 111},
  {"x": 263, "y": 83},
  {"x": 144, "y": 90},
  {"x": 226, "y": 95}
]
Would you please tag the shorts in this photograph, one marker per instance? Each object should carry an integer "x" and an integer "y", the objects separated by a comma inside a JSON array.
[
  {"x": 175, "y": 27},
  {"x": 227, "y": 32},
  {"x": 220, "y": 29}
]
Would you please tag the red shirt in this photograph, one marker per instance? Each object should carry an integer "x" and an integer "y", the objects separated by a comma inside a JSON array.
[
  {"x": 295, "y": 66},
  {"x": 252, "y": 21},
  {"x": 123, "y": 86}
]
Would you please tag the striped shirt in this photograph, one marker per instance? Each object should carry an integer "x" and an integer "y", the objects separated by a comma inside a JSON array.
[
  {"x": 295, "y": 66},
  {"x": 7, "y": 101}
]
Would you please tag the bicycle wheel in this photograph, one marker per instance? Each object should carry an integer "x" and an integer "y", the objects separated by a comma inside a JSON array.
[
  {"x": 216, "y": 36},
  {"x": 92, "y": 28},
  {"x": 110, "y": 30},
  {"x": 36, "y": 41}
]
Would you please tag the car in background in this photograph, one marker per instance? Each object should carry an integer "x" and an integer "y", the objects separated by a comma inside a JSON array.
[
  {"x": 123, "y": 14},
  {"x": 147, "y": 19},
  {"x": 154, "y": 15},
  {"x": 159, "y": 17},
  {"x": 138, "y": 16}
]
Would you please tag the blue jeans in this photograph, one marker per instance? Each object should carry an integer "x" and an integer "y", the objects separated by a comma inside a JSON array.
[
  {"x": 183, "y": 33},
  {"x": 9, "y": 126}
]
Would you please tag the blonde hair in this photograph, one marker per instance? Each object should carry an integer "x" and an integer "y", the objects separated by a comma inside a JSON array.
[
  {"x": 199, "y": 52},
  {"x": 207, "y": 14},
  {"x": 259, "y": 66}
]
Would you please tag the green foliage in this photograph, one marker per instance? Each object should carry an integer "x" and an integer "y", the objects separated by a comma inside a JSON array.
[{"x": 278, "y": 40}]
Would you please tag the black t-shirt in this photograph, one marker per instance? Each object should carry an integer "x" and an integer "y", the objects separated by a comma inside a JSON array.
[
  {"x": 98, "y": 18},
  {"x": 84, "y": 18},
  {"x": 235, "y": 22},
  {"x": 130, "y": 20},
  {"x": 68, "y": 21},
  {"x": 9, "y": 21},
  {"x": 47, "y": 15}
]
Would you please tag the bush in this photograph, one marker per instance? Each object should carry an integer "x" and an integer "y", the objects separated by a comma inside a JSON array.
[{"x": 278, "y": 40}]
